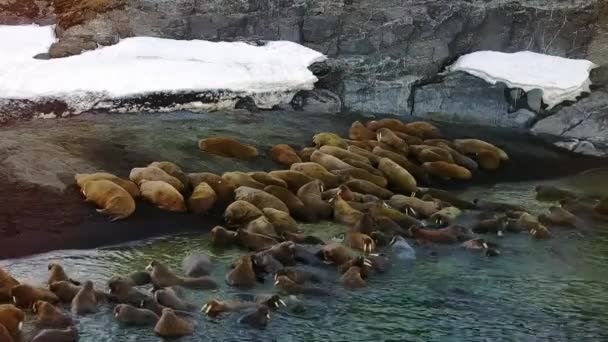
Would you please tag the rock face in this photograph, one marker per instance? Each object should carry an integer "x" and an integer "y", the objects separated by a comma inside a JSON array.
[{"x": 19, "y": 12}]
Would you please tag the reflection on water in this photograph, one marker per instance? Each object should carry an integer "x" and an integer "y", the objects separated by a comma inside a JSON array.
[{"x": 553, "y": 290}]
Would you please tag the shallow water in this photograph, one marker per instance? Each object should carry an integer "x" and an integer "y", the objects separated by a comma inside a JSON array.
[{"x": 554, "y": 290}]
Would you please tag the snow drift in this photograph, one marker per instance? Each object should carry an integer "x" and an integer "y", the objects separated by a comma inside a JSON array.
[
  {"x": 214, "y": 74},
  {"x": 560, "y": 79}
]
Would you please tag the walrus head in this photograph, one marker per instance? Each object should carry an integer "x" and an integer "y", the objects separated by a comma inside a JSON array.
[
  {"x": 368, "y": 245},
  {"x": 213, "y": 308},
  {"x": 275, "y": 302}
]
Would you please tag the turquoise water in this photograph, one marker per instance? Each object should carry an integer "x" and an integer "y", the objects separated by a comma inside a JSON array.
[{"x": 554, "y": 290}]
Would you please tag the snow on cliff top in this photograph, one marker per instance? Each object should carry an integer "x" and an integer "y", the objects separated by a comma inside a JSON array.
[
  {"x": 559, "y": 78},
  {"x": 144, "y": 65}
]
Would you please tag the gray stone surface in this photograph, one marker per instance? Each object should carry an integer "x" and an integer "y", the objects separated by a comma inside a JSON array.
[{"x": 317, "y": 101}]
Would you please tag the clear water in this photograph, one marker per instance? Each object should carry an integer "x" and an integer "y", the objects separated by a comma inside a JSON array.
[{"x": 554, "y": 290}]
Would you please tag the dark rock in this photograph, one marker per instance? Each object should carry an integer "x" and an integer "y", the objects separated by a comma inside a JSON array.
[{"x": 317, "y": 101}]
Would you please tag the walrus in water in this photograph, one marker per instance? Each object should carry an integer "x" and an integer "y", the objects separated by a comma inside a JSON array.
[
  {"x": 240, "y": 213},
  {"x": 47, "y": 315},
  {"x": 451, "y": 234},
  {"x": 284, "y": 252},
  {"x": 85, "y": 301},
  {"x": 445, "y": 216},
  {"x": 110, "y": 198},
  {"x": 360, "y": 241},
  {"x": 560, "y": 217},
  {"x": 64, "y": 290},
  {"x": 214, "y": 307},
  {"x": 130, "y": 315},
  {"x": 414, "y": 206},
  {"x": 69, "y": 334},
  {"x": 7, "y": 282},
  {"x": 169, "y": 325},
  {"x": 259, "y": 198},
  {"x": 336, "y": 253},
  {"x": 551, "y": 193},
  {"x": 24, "y": 296},
  {"x": 56, "y": 273},
  {"x": 284, "y": 154},
  {"x": 258, "y": 318},
  {"x": 122, "y": 291},
  {"x": 243, "y": 274},
  {"x": 491, "y": 225},
  {"x": 352, "y": 278},
  {"x": 221, "y": 237},
  {"x": 197, "y": 265},
  {"x": 162, "y": 276},
  {"x": 310, "y": 195},
  {"x": 254, "y": 242},
  {"x": 288, "y": 286},
  {"x": 227, "y": 147},
  {"x": 298, "y": 275},
  {"x": 168, "y": 298},
  {"x": 12, "y": 319}
]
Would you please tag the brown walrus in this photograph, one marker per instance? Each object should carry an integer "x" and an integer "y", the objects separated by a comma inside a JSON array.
[
  {"x": 112, "y": 199},
  {"x": 56, "y": 273},
  {"x": 82, "y": 178},
  {"x": 295, "y": 205},
  {"x": 413, "y": 205},
  {"x": 294, "y": 179},
  {"x": 388, "y": 137},
  {"x": 257, "y": 318},
  {"x": 360, "y": 241},
  {"x": 7, "y": 282},
  {"x": 451, "y": 234},
  {"x": 169, "y": 325},
  {"x": 163, "y": 195},
  {"x": 552, "y": 193},
  {"x": 283, "y": 154},
  {"x": 262, "y": 226},
  {"x": 374, "y": 159},
  {"x": 358, "y": 131},
  {"x": 168, "y": 298},
  {"x": 12, "y": 319},
  {"x": 280, "y": 220},
  {"x": 316, "y": 171},
  {"x": 361, "y": 174},
  {"x": 283, "y": 252},
  {"x": 306, "y": 152},
  {"x": 255, "y": 242},
  {"x": 151, "y": 173},
  {"x": 298, "y": 275},
  {"x": 64, "y": 290},
  {"x": 202, "y": 199},
  {"x": 5, "y": 336},
  {"x": 433, "y": 154},
  {"x": 238, "y": 179},
  {"x": 288, "y": 286},
  {"x": 221, "y": 237},
  {"x": 310, "y": 195},
  {"x": 392, "y": 124},
  {"x": 223, "y": 189},
  {"x": 369, "y": 188},
  {"x": 69, "y": 334},
  {"x": 331, "y": 139},
  {"x": 173, "y": 170},
  {"x": 243, "y": 274},
  {"x": 266, "y": 179},
  {"x": 47, "y": 315},
  {"x": 302, "y": 239},
  {"x": 447, "y": 170},
  {"x": 85, "y": 301},
  {"x": 227, "y": 147},
  {"x": 397, "y": 176},
  {"x": 214, "y": 307},
  {"x": 259, "y": 198},
  {"x": 414, "y": 169},
  {"x": 240, "y": 213},
  {"x": 474, "y": 146},
  {"x": 560, "y": 217},
  {"x": 422, "y": 129},
  {"x": 24, "y": 296},
  {"x": 344, "y": 213},
  {"x": 352, "y": 278},
  {"x": 343, "y": 154},
  {"x": 329, "y": 162},
  {"x": 336, "y": 253},
  {"x": 162, "y": 276},
  {"x": 488, "y": 160},
  {"x": 130, "y": 315}
]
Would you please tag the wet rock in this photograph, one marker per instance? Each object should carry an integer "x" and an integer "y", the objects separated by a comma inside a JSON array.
[{"x": 317, "y": 101}]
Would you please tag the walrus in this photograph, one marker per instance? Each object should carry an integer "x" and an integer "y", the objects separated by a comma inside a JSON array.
[
  {"x": 24, "y": 296},
  {"x": 363, "y": 166},
  {"x": 294, "y": 179},
  {"x": 214, "y": 307},
  {"x": 238, "y": 179},
  {"x": 380, "y": 209},
  {"x": 47, "y": 315},
  {"x": 446, "y": 196},
  {"x": 240, "y": 213},
  {"x": 267, "y": 179},
  {"x": 343, "y": 154},
  {"x": 56, "y": 273},
  {"x": 352, "y": 279},
  {"x": 280, "y": 220},
  {"x": 552, "y": 193},
  {"x": 202, "y": 199},
  {"x": 361, "y": 206},
  {"x": 387, "y": 226},
  {"x": 329, "y": 162},
  {"x": 414, "y": 205},
  {"x": 331, "y": 139},
  {"x": 169, "y": 325},
  {"x": 298, "y": 275},
  {"x": 316, "y": 171},
  {"x": 122, "y": 291},
  {"x": 487, "y": 206},
  {"x": 163, "y": 195},
  {"x": 227, "y": 147},
  {"x": 223, "y": 189},
  {"x": 491, "y": 225},
  {"x": 85, "y": 301},
  {"x": 448, "y": 235},
  {"x": 409, "y": 139},
  {"x": 197, "y": 264},
  {"x": 64, "y": 290},
  {"x": 151, "y": 173},
  {"x": 293, "y": 203},
  {"x": 373, "y": 159},
  {"x": 474, "y": 146},
  {"x": 132, "y": 316},
  {"x": 344, "y": 213},
  {"x": 288, "y": 286},
  {"x": 348, "y": 195},
  {"x": 560, "y": 217},
  {"x": 162, "y": 276},
  {"x": 69, "y": 334},
  {"x": 222, "y": 237},
  {"x": 540, "y": 232},
  {"x": 7, "y": 282},
  {"x": 422, "y": 129},
  {"x": 445, "y": 216},
  {"x": 112, "y": 199},
  {"x": 364, "y": 264},
  {"x": 414, "y": 169},
  {"x": 488, "y": 160},
  {"x": 459, "y": 158},
  {"x": 259, "y": 198},
  {"x": 358, "y": 131},
  {"x": 397, "y": 176},
  {"x": 301, "y": 238},
  {"x": 401, "y": 249},
  {"x": 362, "y": 174},
  {"x": 243, "y": 274},
  {"x": 284, "y": 154},
  {"x": 5, "y": 336},
  {"x": 257, "y": 318},
  {"x": 336, "y": 253},
  {"x": 433, "y": 154},
  {"x": 475, "y": 244},
  {"x": 12, "y": 319},
  {"x": 310, "y": 195},
  {"x": 447, "y": 170},
  {"x": 265, "y": 263},
  {"x": 360, "y": 241},
  {"x": 173, "y": 170},
  {"x": 306, "y": 152},
  {"x": 255, "y": 242},
  {"x": 168, "y": 298},
  {"x": 392, "y": 124},
  {"x": 283, "y": 252},
  {"x": 388, "y": 137},
  {"x": 369, "y": 188},
  {"x": 262, "y": 226},
  {"x": 82, "y": 178}
]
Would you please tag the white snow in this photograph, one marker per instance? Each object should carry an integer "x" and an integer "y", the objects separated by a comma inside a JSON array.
[
  {"x": 560, "y": 79},
  {"x": 270, "y": 74}
]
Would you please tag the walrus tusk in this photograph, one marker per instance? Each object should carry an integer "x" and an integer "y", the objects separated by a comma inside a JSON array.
[
  {"x": 367, "y": 263},
  {"x": 379, "y": 136},
  {"x": 149, "y": 267},
  {"x": 499, "y": 233},
  {"x": 282, "y": 302},
  {"x": 14, "y": 300},
  {"x": 276, "y": 283},
  {"x": 267, "y": 316},
  {"x": 485, "y": 245},
  {"x": 204, "y": 308},
  {"x": 20, "y": 326},
  {"x": 34, "y": 307},
  {"x": 276, "y": 276}
]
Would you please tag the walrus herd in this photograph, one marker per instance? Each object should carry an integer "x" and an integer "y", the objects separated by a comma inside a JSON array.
[{"x": 370, "y": 183}]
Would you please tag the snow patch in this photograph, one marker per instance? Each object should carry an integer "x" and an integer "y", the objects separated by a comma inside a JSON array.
[
  {"x": 560, "y": 79},
  {"x": 138, "y": 67}
]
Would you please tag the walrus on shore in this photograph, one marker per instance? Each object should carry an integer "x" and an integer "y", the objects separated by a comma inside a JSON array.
[
  {"x": 409, "y": 139},
  {"x": 360, "y": 241},
  {"x": 432, "y": 154},
  {"x": 301, "y": 238},
  {"x": 47, "y": 315},
  {"x": 358, "y": 131},
  {"x": 447, "y": 170},
  {"x": 414, "y": 169},
  {"x": 257, "y": 318},
  {"x": 280, "y": 220},
  {"x": 348, "y": 195},
  {"x": 223, "y": 189},
  {"x": 451, "y": 234},
  {"x": 222, "y": 237},
  {"x": 286, "y": 285},
  {"x": 240, "y": 213},
  {"x": 238, "y": 179},
  {"x": 388, "y": 137},
  {"x": 369, "y": 188},
  {"x": 168, "y": 298},
  {"x": 284, "y": 154},
  {"x": 294, "y": 179},
  {"x": 110, "y": 198},
  {"x": 227, "y": 147},
  {"x": 374, "y": 159},
  {"x": 414, "y": 205},
  {"x": 262, "y": 226},
  {"x": 310, "y": 195},
  {"x": 381, "y": 209},
  {"x": 259, "y": 198},
  {"x": 173, "y": 170},
  {"x": 306, "y": 152},
  {"x": 422, "y": 129},
  {"x": 344, "y": 213},
  {"x": 392, "y": 124},
  {"x": 317, "y": 171},
  {"x": 293, "y": 203},
  {"x": 474, "y": 146},
  {"x": 85, "y": 301},
  {"x": 329, "y": 162},
  {"x": 12, "y": 319},
  {"x": 132, "y": 316},
  {"x": 243, "y": 274},
  {"x": 5, "y": 336},
  {"x": 331, "y": 139},
  {"x": 397, "y": 176},
  {"x": 266, "y": 179},
  {"x": 202, "y": 199},
  {"x": 170, "y": 325},
  {"x": 69, "y": 334},
  {"x": 255, "y": 242},
  {"x": 357, "y": 173},
  {"x": 7, "y": 282},
  {"x": 24, "y": 296},
  {"x": 459, "y": 158},
  {"x": 445, "y": 216},
  {"x": 82, "y": 178},
  {"x": 343, "y": 154},
  {"x": 488, "y": 160},
  {"x": 352, "y": 278},
  {"x": 151, "y": 173},
  {"x": 197, "y": 264},
  {"x": 163, "y": 195},
  {"x": 162, "y": 276}
]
